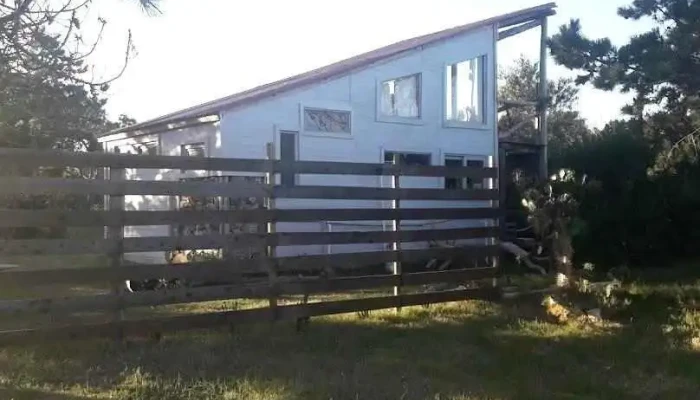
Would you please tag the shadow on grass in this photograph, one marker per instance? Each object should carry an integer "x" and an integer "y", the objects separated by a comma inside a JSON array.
[
  {"x": 30, "y": 394},
  {"x": 455, "y": 351}
]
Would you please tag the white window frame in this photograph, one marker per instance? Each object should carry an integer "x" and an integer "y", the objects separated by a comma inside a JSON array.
[
  {"x": 324, "y": 105},
  {"x": 465, "y": 158},
  {"x": 486, "y": 121},
  {"x": 396, "y": 119}
]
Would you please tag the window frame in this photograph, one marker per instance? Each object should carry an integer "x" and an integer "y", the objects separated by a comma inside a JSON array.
[
  {"x": 465, "y": 159},
  {"x": 323, "y": 105},
  {"x": 323, "y": 133},
  {"x": 485, "y": 123},
  {"x": 397, "y": 119}
]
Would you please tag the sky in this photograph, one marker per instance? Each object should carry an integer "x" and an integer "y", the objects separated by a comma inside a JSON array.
[{"x": 200, "y": 50}]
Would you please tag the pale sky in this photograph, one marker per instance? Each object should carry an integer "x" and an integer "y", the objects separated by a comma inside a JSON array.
[{"x": 201, "y": 50}]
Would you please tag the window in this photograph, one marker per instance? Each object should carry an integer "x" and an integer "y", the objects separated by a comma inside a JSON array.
[
  {"x": 463, "y": 183},
  {"x": 288, "y": 144},
  {"x": 149, "y": 148},
  {"x": 464, "y": 91},
  {"x": 192, "y": 150},
  {"x": 400, "y": 97},
  {"x": 391, "y": 157},
  {"x": 322, "y": 120}
]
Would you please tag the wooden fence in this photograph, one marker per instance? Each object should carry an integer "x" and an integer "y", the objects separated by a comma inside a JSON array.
[{"x": 282, "y": 276}]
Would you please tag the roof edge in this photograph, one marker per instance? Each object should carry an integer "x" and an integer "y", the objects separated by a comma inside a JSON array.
[{"x": 336, "y": 69}]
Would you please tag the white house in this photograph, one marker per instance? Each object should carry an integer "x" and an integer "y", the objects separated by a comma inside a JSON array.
[{"x": 426, "y": 100}]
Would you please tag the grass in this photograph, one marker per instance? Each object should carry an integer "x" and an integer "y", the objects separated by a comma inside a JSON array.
[
  {"x": 461, "y": 350},
  {"x": 464, "y": 350}
]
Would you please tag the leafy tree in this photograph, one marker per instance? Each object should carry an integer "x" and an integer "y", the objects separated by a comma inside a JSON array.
[
  {"x": 45, "y": 99},
  {"x": 521, "y": 82},
  {"x": 661, "y": 67}
]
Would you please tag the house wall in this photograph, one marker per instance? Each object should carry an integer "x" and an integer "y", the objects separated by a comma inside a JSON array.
[
  {"x": 246, "y": 130},
  {"x": 169, "y": 143}
]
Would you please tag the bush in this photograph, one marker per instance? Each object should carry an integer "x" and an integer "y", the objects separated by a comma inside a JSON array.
[{"x": 631, "y": 216}]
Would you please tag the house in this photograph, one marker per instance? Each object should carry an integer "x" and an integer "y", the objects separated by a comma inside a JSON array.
[{"x": 428, "y": 100}]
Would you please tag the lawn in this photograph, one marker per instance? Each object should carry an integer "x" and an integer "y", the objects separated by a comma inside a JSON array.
[{"x": 462, "y": 350}]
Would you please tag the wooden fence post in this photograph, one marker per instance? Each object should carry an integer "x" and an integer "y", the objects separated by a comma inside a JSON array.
[
  {"x": 396, "y": 244},
  {"x": 271, "y": 251},
  {"x": 116, "y": 232}
]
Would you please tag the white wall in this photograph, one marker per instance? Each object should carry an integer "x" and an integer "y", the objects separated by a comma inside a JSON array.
[
  {"x": 169, "y": 143},
  {"x": 246, "y": 130}
]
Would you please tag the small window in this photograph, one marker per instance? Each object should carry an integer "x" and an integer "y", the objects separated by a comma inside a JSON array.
[
  {"x": 463, "y": 183},
  {"x": 147, "y": 148},
  {"x": 400, "y": 97},
  {"x": 321, "y": 120},
  {"x": 454, "y": 183},
  {"x": 193, "y": 150},
  {"x": 465, "y": 91},
  {"x": 391, "y": 157}
]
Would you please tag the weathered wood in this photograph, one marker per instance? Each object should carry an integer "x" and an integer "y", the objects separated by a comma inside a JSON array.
[
  {"x": 214, "y": 320},
  {"x": 115, "y": 235},
  {"x": 349, "y": 168},
  {"x": 190, "y": 295},
  {"x": 44, "y": 158},
  {"x": 32, "y": 186},
  {"x": 518, "y": 29},
  {"x": 357, "y": 193},
  {"x": 230, "y": 269},
  {"x": 49, "y": 218},
  {"x": 233, "y": 241},
  {"x": 37, "y": 158}
]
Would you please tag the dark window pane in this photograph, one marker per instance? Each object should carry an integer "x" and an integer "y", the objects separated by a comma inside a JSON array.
[
  {"x": 450, "y": 182},
  {"x": 287, "y": 153},
  {"x": 406, "y": 158},
  {"x": 471, "y": 182}
]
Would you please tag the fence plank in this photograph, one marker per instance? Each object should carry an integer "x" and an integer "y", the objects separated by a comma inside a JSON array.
[
  {"x": 231, "y": 269},
  {"x": 33, "y": 186},
  {"x": 189, "y": 295},
  {"x": 213, "y": 320},
  {"x": 48, "y": 218},
  {"x": 349, "y": 168},
  {"x": 36, "y": 158},
  {"x": 369, "y": 193},
  {"x": 48, "y": 247}
]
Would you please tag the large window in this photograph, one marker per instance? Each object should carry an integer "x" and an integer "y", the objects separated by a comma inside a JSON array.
[
  {"x": 323, "y": 120},
  {"x": 464, "y": 102},
  {"x": 400, "y": 97},
  {"x": 463, "y": 183}
]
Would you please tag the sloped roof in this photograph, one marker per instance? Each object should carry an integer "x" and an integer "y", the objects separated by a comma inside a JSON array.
[{"x": 339, "y": 68}]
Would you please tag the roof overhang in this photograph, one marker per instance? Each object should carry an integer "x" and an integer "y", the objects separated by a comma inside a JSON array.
[{"x": 159, "y": 128}]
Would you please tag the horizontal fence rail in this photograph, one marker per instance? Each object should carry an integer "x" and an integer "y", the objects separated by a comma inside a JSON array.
[
  {"x": 232, "y": 241},
  {"x": 34, "y": 158},
  {"x": 245, "y": 243},
  {"x": 52, "y": 218},
  {"x": 233, "y": 269}
]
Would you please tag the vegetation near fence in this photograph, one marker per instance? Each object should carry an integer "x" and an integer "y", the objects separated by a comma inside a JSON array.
[{"x": 472, "y": 248}]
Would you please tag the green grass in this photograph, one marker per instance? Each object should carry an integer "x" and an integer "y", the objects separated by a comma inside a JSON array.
[
  {"x": 465, "y": 350},
  {"x": 461, "y": 350}
]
